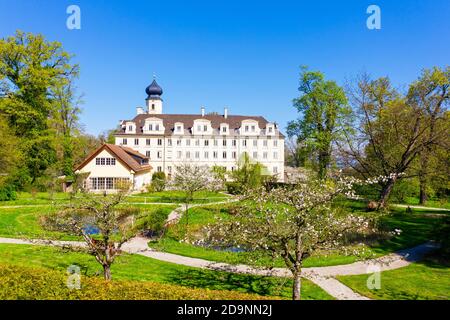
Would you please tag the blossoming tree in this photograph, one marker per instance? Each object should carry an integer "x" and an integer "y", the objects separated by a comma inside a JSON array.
[
  {"x": 291, "y": 223},
  {"x": 190, "y": 178},
  {"x": 87, "y": 211}
]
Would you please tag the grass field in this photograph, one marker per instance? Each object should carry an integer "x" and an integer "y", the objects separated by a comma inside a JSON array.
[
  {"x": 444, "y": 204},
  {"x": 23, "y": 222},
  {"x": 44, "y": 198},
  {"x": 177, "y": 197},
  {"x": 35, "y": 283},
  {"x": 419, "y": 281},
  {"x": 139, "y": 268},
  {"x": 416, "y": 229}
]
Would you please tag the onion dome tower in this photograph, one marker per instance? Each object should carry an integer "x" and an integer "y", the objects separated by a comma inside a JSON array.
[{"x": 153, "y": 100}]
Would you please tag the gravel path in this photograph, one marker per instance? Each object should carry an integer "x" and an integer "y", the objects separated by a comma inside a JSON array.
[
  {"x": 322, "y": 276},
  {"x": 419, "y": 207}
]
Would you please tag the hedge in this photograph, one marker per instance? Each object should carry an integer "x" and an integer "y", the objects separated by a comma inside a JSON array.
[
  {"x": 25, "y": 283},
  {"x": 7, "y": 193}
]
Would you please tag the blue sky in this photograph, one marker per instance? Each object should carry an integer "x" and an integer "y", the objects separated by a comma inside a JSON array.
[{"x": 245, "y": 55}]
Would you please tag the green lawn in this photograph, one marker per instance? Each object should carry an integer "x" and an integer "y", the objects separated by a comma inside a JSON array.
[
  {"x": 40, "y": 198},
  {"x": 43, "y": 198},
  {"x": 35, "y": 283},
  {"x": 23, "y": 222},
  {"x": 177, "y": 197},
  {"x": 418, "y": 281},
  {"x": 416, "y": 229},
  {"x": 135, "y": 267},
  {"x": 444, "y": 203}
]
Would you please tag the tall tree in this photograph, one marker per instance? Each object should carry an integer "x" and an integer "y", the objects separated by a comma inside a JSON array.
[
  {"x": 65, "y": 121},
  {"x": 390, "y": 134},
  {"x": 9, "y": 153},
  {"x": 291, "y": 223},
  {"x": 431, "y": 94},
  {"x": 323, "y": 113},
  {"x": 30, "y": 70}
]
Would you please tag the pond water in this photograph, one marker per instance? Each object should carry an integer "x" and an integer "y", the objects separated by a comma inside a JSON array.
[
  {"x": 227, "y": 249},
  {"x": 93, "y": 230},
  {"x": 90, "y": 229}
]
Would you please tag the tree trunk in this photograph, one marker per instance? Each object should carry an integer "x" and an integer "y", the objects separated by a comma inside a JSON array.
[
  {"x": 423, "y": 197},
  {"x": 186, "y": 213},
  {"x": 296, "y": 288},
  {"x": 107, "y": 271},
  {"x": 385, "y": 192},
  {"x": 423, "y": 176},
  {"x": 324, "y": 159}
]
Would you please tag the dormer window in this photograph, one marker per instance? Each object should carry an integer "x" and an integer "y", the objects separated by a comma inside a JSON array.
[
  {"x": 153, "y": 106},
  {"x": 130, "y": 128},
  {"x": 150, "y": 127},
  {"x": 157, "y": 127},
  {"x": 201, "y": 125},
  {"x": 253, "y": 128},
  {"x": 246, "y": 128},
  {"x": 178, "y": 128},
  {"x": 224, "y": 129},
  {"x": 270, "y": 129}
]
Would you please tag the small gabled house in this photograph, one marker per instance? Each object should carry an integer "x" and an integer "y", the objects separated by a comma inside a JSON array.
[{"x": 110, "y": 166}]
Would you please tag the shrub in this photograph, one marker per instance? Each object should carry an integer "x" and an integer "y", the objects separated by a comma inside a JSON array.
[
  {"x": 130, "y": 211},
  {"x": 153, "y": 222},
  {"x": 158, "y": 181},
  {"x": 26, "y": 283},
  {"x": 233, "y": 188},
  {"x": 7, "y": 193},
  {"x": 404, "y": 189}
]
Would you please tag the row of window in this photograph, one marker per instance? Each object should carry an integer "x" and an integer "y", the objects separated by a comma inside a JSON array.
[
  {"x": 169, "y": 169},
  {"x": 105, "y": 161},
  {"x": 207, "y": 154},
  {"x": 107, "y": 183},
  {"x": 200, "y": 128},
  {"x": 205, "y": 142}
]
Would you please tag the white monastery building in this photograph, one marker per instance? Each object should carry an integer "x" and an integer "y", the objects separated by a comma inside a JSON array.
[{"x": 168, "y": 140}]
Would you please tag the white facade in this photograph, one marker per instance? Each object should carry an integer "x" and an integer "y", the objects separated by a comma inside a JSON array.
[
  {"x": 212, "y": 140},
  {"x": 106, "y": 172}
]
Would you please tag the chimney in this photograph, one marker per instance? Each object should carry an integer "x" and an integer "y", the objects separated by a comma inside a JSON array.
[
  {"x": 203, "y": 111},
  {"x": 139, "y": 110},
  {"x": 225, "y": 112}
]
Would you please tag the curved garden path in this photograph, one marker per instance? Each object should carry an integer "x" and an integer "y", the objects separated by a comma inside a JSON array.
[
  {"x": 420, "y": 207},
  {"x": 324, "y": 277}
]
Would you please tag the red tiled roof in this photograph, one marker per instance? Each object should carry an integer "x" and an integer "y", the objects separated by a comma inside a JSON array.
[
  {"x": 169, "y": 121},
  {"x": 127, "y": 156}
]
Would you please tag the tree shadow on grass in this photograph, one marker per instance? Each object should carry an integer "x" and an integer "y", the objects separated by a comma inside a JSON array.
[{"x": 265, "y": 286}]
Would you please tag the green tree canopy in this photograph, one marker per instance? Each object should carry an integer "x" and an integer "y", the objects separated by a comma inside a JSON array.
[
  {"x": 323, "y": 112},
  {"x": 32, "y": 70}
]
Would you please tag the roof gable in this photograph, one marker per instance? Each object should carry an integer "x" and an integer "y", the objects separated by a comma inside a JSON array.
[
  {"x": 234, "y": 122},
  {"x": 126, "y": 156}
]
